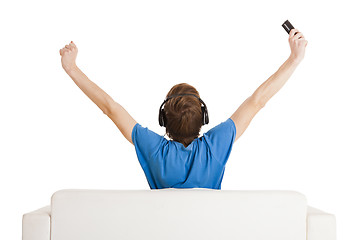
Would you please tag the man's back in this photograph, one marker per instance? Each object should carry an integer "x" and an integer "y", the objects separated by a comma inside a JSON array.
[{"x": 169, "y": 164}]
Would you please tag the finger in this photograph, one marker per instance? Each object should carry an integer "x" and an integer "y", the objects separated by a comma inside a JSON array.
[
  {"x": 301, "y": 42},
  {"x": 72, "y": 47},
  {"x": 299, "y": 35},
  {"x": 65, "y": 51},
  {"x": 292, "y": 32},
  {"x": 62, "y": 51}
]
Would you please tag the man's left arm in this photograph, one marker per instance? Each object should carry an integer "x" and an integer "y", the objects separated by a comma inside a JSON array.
[
  {"x": 95, "y": 93},
  {"x": 112, "y": 109}
]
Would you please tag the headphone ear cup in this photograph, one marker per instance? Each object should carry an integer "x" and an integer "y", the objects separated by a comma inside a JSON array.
[
  {"x": 205, "y": 115},
  {"x": 163, "y": 118}
]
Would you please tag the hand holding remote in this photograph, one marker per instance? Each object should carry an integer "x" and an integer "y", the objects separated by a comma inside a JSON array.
[{"x": 297, "y": 45}]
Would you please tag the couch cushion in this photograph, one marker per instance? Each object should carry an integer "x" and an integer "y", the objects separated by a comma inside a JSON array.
[{"x": 171, "y": 214}]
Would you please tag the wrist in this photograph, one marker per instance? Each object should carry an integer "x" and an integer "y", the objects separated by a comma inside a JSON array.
[
  {"x": 294, "y": 60},
  {"x": 70, "y": 68}
]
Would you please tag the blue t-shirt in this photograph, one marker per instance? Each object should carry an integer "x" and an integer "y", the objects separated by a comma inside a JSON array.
[{"x": 168, "y": 164}]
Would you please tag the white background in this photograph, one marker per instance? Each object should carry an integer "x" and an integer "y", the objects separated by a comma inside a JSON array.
[{"x": 54, "y": 137}]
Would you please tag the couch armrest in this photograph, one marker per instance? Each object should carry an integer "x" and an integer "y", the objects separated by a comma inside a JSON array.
[
  {"x": 320, "y": 225},
  {"x": 36, "y": 224}
]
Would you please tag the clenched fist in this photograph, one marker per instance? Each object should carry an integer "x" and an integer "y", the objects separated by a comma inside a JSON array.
[
  {"x": 68, "y": 56},
  {"x": 297, "y": 45}
]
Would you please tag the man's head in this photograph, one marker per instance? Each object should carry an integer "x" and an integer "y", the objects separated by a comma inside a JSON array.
[{"x": 183, "y": 114}]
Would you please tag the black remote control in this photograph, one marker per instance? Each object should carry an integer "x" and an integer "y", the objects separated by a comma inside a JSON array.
[{"x": 288, "y": 26}]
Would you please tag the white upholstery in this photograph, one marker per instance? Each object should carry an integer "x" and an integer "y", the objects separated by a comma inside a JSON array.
[
  {"x": 321, "y": 225},
  {"x": 36, "y": 224},
  {"x": 193, "y": 213}
]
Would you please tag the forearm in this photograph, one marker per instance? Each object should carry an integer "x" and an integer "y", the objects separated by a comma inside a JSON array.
[
  {"x": 95, "y": 93},
  {"x": 276, "y": 81}
]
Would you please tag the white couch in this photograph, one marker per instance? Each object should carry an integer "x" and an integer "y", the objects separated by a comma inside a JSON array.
[{"x": 172, "y": 214}]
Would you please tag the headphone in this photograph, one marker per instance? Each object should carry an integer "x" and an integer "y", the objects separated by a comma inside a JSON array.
[{"x": 162, "y": 117}]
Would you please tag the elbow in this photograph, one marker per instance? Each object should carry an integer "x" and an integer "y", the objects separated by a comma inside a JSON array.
[
  {"x": 258, "y": 100},
  {"x": 262, "y": 104},
  {"x": 108, "y": 108}
]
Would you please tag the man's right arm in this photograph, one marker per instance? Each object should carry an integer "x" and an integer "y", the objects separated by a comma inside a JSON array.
[
  {"x": 252, "y": 105},
  {"x": 276, "y": 81}
]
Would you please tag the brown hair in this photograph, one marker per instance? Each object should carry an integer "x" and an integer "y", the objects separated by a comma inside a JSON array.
[{"x": 183, "y": 114}]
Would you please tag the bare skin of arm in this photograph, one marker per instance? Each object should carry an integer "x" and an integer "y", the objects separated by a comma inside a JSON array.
[
  {"x": 112, "y": 109},
  {"x": 252, "y": 105}
]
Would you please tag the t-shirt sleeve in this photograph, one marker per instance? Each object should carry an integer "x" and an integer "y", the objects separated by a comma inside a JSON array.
[
  {"x": 220, "y": 140},
  {"x": 146, "y": 143}
]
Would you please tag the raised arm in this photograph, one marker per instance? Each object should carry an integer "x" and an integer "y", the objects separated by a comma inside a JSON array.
[
  {"x": 252, "y": 105},
  {"x": 112, "y": 109}
]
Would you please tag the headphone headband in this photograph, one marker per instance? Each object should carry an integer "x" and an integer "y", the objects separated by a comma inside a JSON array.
[
  {"x": 179, "y": 95},
  {"x": 162, "y": 114}
]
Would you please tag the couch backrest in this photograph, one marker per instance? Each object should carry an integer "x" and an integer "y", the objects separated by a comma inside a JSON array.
[{"x": 174, "y": 214}]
